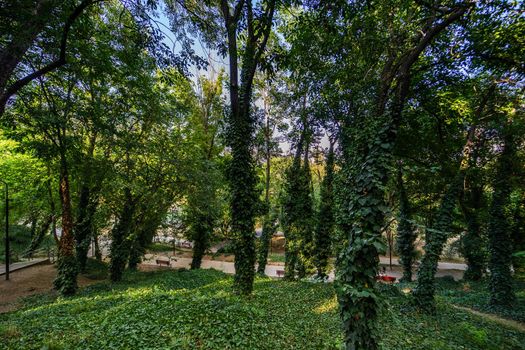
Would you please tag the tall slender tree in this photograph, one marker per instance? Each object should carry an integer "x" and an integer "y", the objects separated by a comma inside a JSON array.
[
  {"x": 500, "y": 243},
  {"x": 405, "y": 231},
  {"x": 242, "y": 175},
  {"x": 325, "y": 220}
]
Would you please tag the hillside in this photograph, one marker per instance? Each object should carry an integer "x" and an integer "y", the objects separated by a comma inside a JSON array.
[{"x": 196, "y": 310}]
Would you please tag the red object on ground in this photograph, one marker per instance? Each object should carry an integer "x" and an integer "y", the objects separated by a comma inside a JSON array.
[{"x": 386, "y": 278}]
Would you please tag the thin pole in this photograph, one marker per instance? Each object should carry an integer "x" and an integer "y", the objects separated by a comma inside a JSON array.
[{"x": 6, "y": 231}]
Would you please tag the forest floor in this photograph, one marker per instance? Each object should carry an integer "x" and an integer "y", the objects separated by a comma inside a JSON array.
[
  {"x": 196, "y": 310},
  {"x": 31, "y": 280}
]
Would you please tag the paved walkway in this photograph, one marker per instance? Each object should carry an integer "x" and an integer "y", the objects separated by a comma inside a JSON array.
[
  {"x": 441, "y": 265},
  {"x": 224, "y": 266},
  {"x": 271, "y": 270},
  {"x": 22, "y": 265}
]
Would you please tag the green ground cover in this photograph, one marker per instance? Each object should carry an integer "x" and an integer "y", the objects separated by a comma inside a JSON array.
[
  {"x": 196, "y": 309},
  {"x": 476, "y": 295}
]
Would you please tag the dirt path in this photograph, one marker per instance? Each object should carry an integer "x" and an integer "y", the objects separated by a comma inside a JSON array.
[
  {"x": 503, "y": 321},
  {"x": 32, "y": 280}
]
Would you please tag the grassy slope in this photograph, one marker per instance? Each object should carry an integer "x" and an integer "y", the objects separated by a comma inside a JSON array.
[{"x": 196, "y": 309}]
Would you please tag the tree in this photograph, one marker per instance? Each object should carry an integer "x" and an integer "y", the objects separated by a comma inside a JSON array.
[
  {"x": 241, "y": 128},
  {"x": 500, "y": 242},
  {"x": 437, "y": 237},
  {"x": 325, "y": 221},
  {"x": 270, "y": 213},
  {"x": 405, "y": 231},
  {"x": 204, "y": 205}
]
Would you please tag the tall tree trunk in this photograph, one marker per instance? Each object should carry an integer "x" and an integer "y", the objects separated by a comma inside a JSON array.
[
  {"x": 325, "y": 221},
  {"x": 66, "y": 281},
  {"x": 201, "y": 232},
  {"x": 364, "y": 208},
  {"x": 98, "y": 253},
  {"x": 145, "y": 230},
  {"x": 500, "y": 244},
  {"x": 121, "y": 239},
  {"x": 472, "y": 243},
  {"x": 40, "y": 233},
  {"x": 289, "y": 215},
  {"x": 87, "y": 206},
  {"x": 268, "y": 221},
  {"x": 306, "y": 222},
  {"x": 518, "y": 236},
  {"x": 242, "y": 176},
  {"x": 435, "y": 241},
  {"x": 405, "y": 232}
]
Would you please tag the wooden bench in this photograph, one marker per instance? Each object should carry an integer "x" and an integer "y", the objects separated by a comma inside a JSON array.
[
  {"x": 280, "y": 273},
  {"x": 161, "y": 262}
]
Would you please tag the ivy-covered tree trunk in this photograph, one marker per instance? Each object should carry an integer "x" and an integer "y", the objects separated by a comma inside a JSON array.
[
  {"x": 435, "y": 241},
  {"x": 306, "y": 218},
  {"x": 405, "y": 232},
  {"x": 40, "y": 233},
  {"x": 67, "y": 267},
  {"x": 243, "y": 201},
  {"x": 269, "y": 220},
  {"x": 268, "y": 229},
  {"x": 325, "y": 220},
  {"x": 518, "y": 235},
  {"x": 500, "y": 244},
  {"x": 291, "y": 213},
  {"x": 145, "y": 230},
  {"x": 472, "y": 243},
  {"x": 242, "y": 175},
  {"x": 87, "y": 206},
  {"x": 84, "y": 228},
  {"x": 363, "y": 208},
  {"x": 200, "y": 235},
  {"x": 437, "y": 237},
  {"x": 121, "y": 239},
  {"x": 361, "y": 216}
]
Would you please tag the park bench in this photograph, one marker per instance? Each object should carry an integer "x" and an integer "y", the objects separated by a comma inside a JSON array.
[
  {"x": 161, "y": 262},
  {"x": 280, "y": 273}
]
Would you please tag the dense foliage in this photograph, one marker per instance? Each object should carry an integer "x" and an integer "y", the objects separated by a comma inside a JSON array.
[{"x": 333, "y": 123}]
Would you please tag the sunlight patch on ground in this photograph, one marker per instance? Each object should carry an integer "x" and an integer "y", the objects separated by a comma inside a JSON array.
[{"x": 328, "y": 306}]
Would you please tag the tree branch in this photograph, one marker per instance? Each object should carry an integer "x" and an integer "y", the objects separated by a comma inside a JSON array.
[{"x": 17, "y": 85}]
